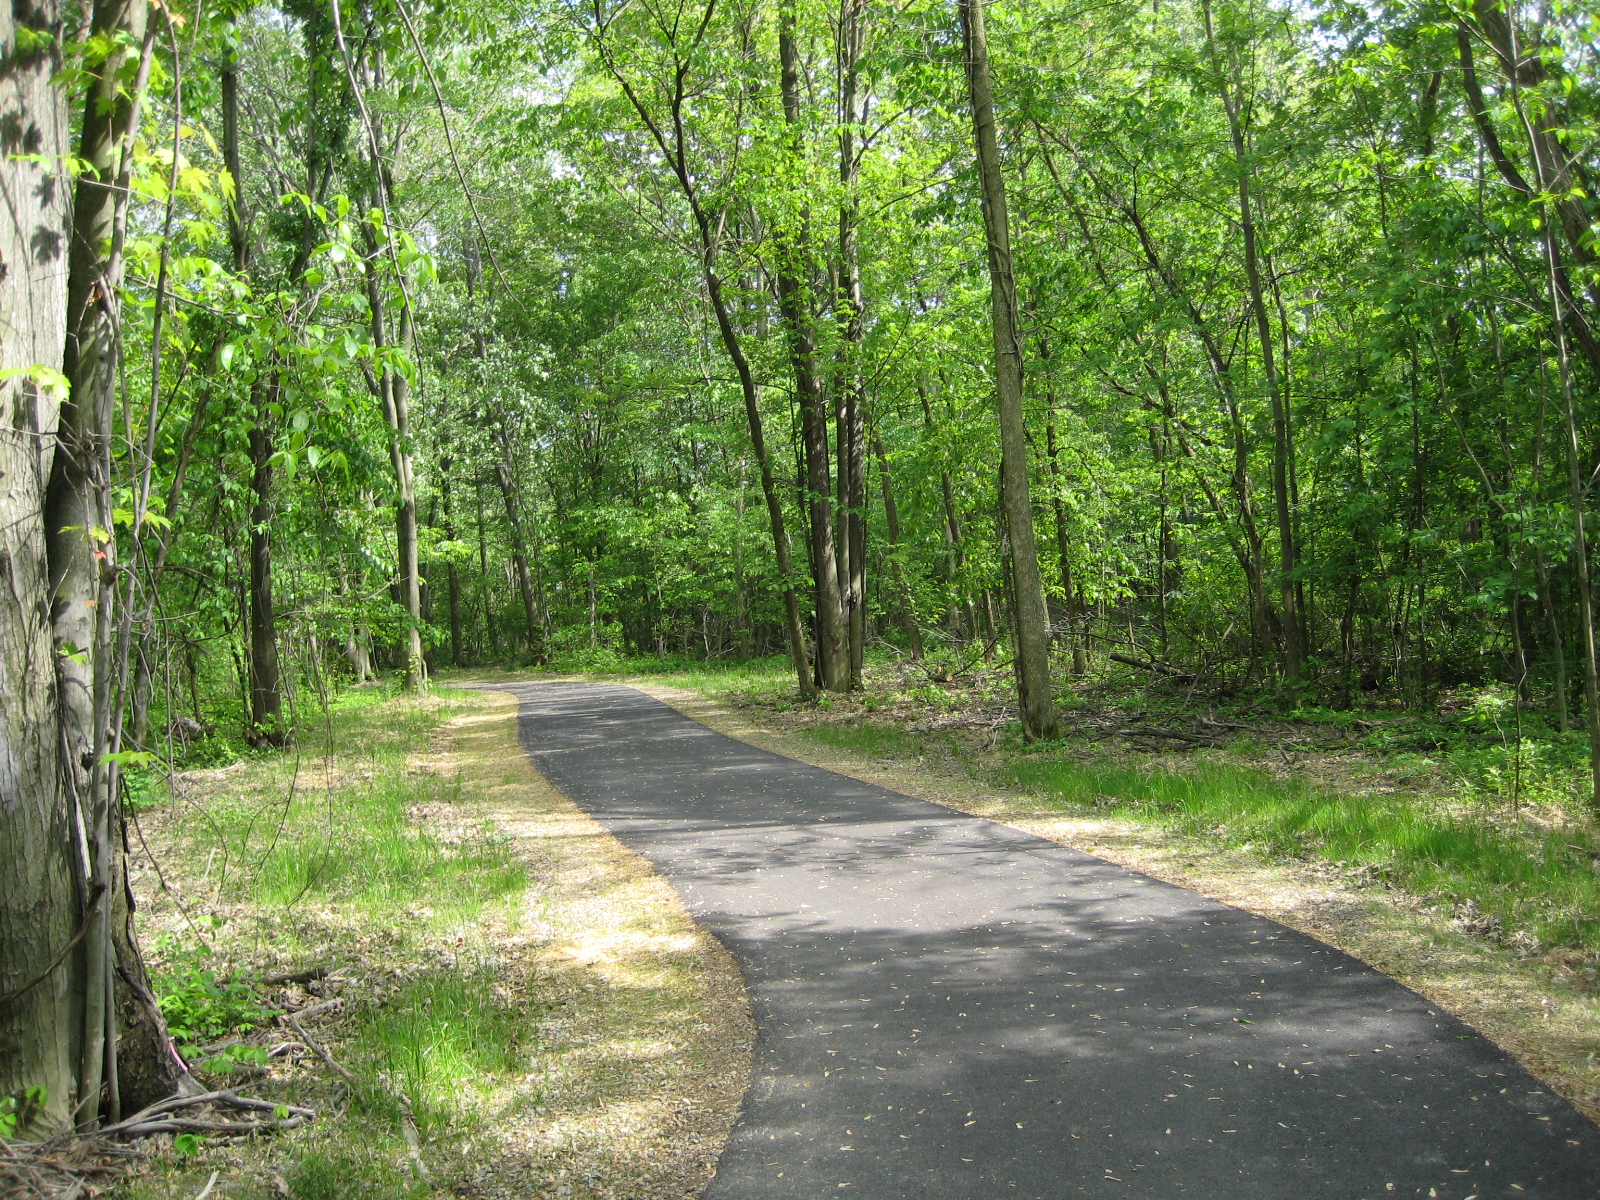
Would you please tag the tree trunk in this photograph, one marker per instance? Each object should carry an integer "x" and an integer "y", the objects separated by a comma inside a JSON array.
[
  {"x": 266, "y": 695},
  {"x": 42, "y": 899},
  {"x": 1282, "y": 446},
  {"x": 519, "y": 562},
  {"x": 891, "y": 516},
  {"x": 116, "y": 1002},
  {"x": 266, "y": 700},
  {"x": 1063, "y": 543},
  {"x": 1035, "y": 703},
  {"x": 852, "y": 326},
  {"x": 673, "y": 153},
  {"x": 796, "y": 303},
  {"x": 394, "y": 397},
  {"x": 491, "y": 634},
  {"x": 458, "y": 651}
]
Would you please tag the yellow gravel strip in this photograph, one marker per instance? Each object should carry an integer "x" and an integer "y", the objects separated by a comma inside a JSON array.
[{"x": 645, "y": 1050}]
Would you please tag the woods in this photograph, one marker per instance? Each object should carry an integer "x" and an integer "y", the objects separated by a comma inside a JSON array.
[{"x": 1241, "y": 349}]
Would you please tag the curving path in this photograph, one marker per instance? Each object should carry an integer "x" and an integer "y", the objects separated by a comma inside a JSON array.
[{"x": 952, "y": 1009}]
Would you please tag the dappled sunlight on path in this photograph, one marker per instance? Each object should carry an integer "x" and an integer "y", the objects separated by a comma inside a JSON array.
[{"x": 951, "y": 1007}]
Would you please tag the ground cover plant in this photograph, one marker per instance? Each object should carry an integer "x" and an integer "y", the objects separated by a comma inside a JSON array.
[{"x": 508, "y": 1002}]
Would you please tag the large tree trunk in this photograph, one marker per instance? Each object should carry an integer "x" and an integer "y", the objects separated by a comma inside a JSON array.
[
  {"x": 116, "y": 1000},
  {"x": 41, "y": 893},
  {"x": 1035, "y": 702},
  {"x": 796, "y": 302}
]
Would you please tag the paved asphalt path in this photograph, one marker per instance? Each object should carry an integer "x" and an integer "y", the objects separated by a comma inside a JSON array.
[{"x": 952, "y": 1009}]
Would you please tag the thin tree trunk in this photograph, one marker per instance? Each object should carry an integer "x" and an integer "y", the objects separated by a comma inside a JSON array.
[
  {"x": 672, "y": 150},
  {"x": 1063, "y": 541},
  {"x": 891, "y": 516},
  {"x": 491, "y": 635},
  {"x": 796, "y": 303},
  {"x": 393, "y": 393},
  {"x": 519, "y": 562},
  {"x": 458, "y": 652},
  {"x": 1035, "y": 702},
  {"x": 1282, "y": 448},
  {"x": 266, "y": 695},
  {"x": 852, "y": 327},
  {"x": 1577, "y": 497}
]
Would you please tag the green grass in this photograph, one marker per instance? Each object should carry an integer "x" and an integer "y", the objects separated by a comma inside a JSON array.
[
  {"x": 437, "y": 1040},
  {"x": 348, "y": 874},
  {"x": 710, "y": 678},
  {"x": 1537, "y": 880},
  {"x": 865, "y": 738},
  {"x": 279, "y": 838}
]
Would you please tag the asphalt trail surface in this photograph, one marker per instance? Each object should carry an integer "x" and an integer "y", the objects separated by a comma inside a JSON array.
[{"x": 951, "y": 1008}]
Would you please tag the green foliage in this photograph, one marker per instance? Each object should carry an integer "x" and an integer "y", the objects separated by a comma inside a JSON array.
[
  {"x": 199, "y": 1006},
  {"x": 17, "y": 1112},
  {"x": 353, "y": 1173}
]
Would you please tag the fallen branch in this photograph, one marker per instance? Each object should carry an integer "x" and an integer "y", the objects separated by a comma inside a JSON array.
[
  {"x": 300, "y": 977},
  {"x": 190, "y": 1125},
  {"x": 311, "y": 1043},
  {"x": 1160, "y": 668},
  {"x": 174, "y": 1103},
  {"x": 408, "y": 1126},
  {"x": 1166, "y": 733}
]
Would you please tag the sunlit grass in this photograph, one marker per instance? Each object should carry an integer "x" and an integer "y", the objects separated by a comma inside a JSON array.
[
  {"x": 437, "y": 1041},
  {"x": 1539, "y": 880},
  {"x": 336, "y": 819},
  {"x": 349, "y": 840}
]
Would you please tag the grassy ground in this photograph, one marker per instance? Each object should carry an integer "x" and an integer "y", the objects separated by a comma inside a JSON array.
[{"x": 514, "y": 988}]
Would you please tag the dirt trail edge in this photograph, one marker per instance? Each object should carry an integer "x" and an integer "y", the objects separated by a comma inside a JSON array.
[{"x": 950, "y": 1007}]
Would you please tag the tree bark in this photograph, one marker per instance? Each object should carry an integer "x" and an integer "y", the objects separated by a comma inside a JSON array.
[
  {"x": 897, "y": 568},
  {"x": 394, "y": 397},
  {"x": 519, "y": 562},
  {"x": 796, "y": 302},
  {"x": 1282, "y": 444},
  {"x": 116, "y": 1001},
  {"x": 266, "y": 691},
  {"x": 1035, "y": 702},
  {"x": 852, "y": 328},
  {"x": 458, "y": 652},
  {"x": 673, "y": 152},
  {"x": 42, "y": 898}
]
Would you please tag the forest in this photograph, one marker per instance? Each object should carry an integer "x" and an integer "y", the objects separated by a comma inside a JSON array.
[{"x": 1244, "y": 350}]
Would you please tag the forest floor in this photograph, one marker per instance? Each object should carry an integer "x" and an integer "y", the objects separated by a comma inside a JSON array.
[
  {"x": 1389, "y": 854},
  {"x": 522, "y": 1006}
]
